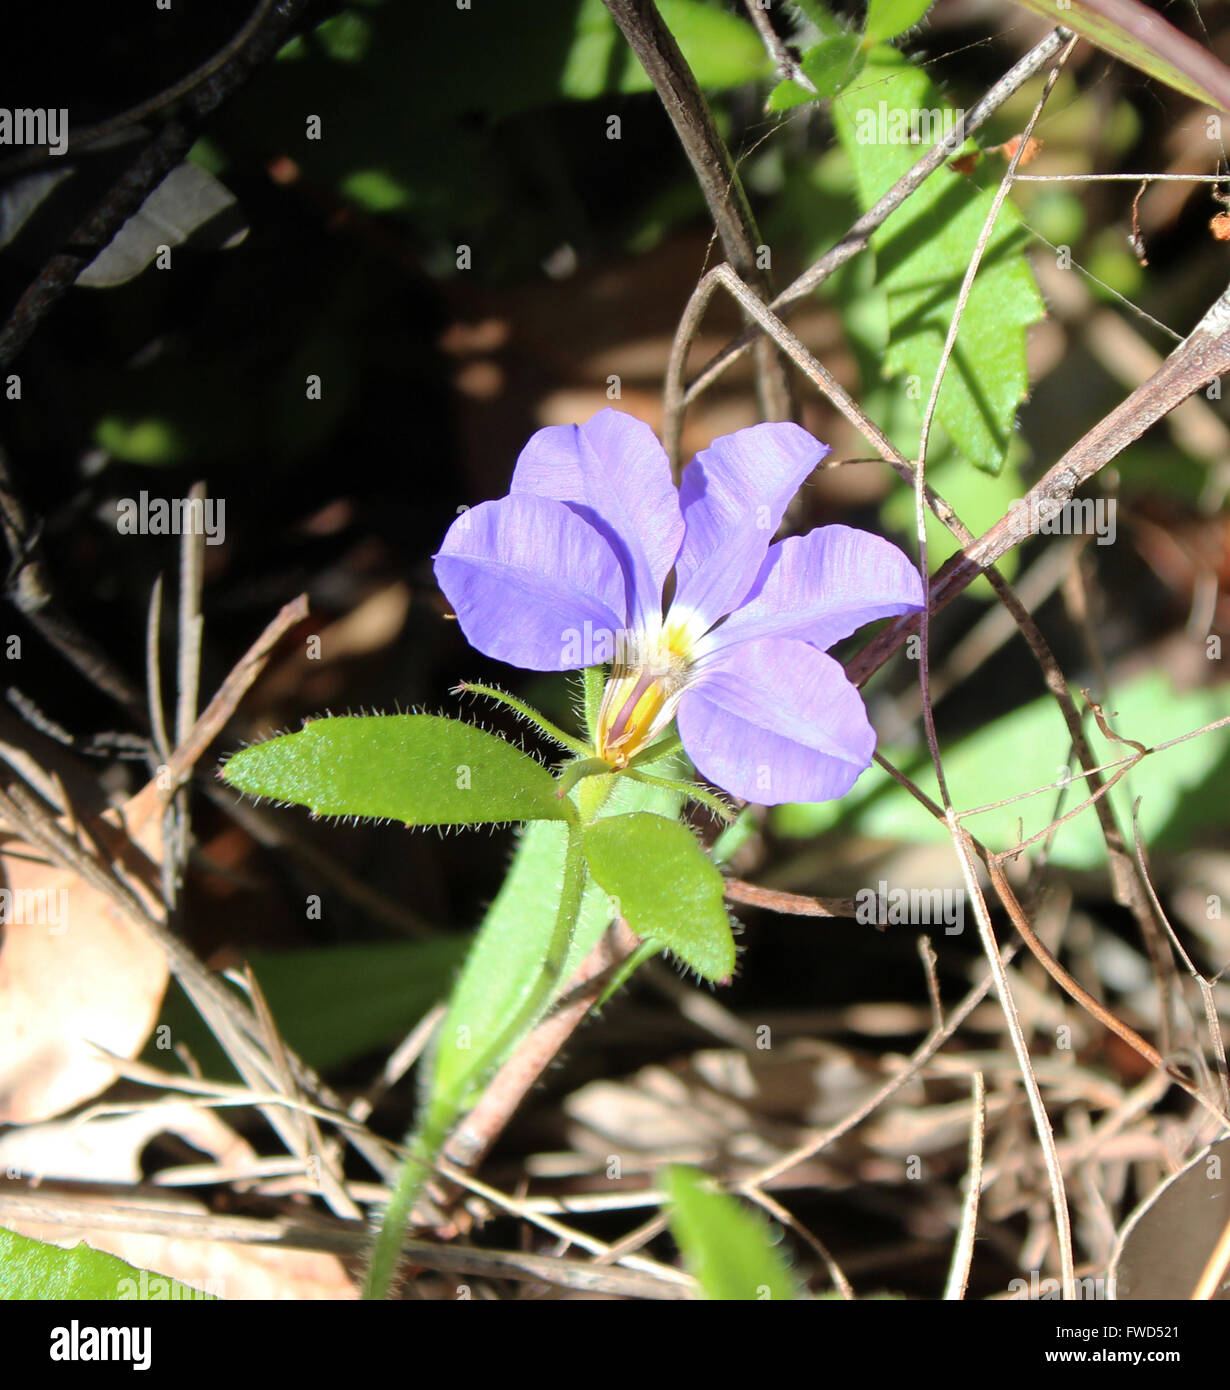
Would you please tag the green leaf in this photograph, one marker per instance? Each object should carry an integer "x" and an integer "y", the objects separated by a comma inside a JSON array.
[
  {"x": 830, "y": 65},
  {"x": 922, "y": 252},
  {"x": 1138, "y": 35},
  {"x": 888, "y": 18},
  {"x": 1182, "y": 789},
  {"x": 151, "y": 440},
  {"x": 421, "y": 769},
  {"x": 722, "y": 49},
  {"x": 374, "y": 190},
  {"x": 667, "y": 889},
  {"x": 727, "y": 1247},
  {"x": 508, "y": 952},
  {"x": 345, "y": 37},
  {"x": 30, "y": 1269},
  {"x": 820, "y": 15}
]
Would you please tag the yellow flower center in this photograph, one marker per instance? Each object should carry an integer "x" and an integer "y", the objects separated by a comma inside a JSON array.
[{"x": 642, "y": 692}]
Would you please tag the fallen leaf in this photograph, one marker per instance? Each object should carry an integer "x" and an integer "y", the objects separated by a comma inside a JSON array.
[{"x": 76, "y": 974}]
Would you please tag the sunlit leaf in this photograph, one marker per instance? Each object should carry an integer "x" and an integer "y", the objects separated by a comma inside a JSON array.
[
  {"x": 726, "y": 1246},
  {"x": 1181, "y": 788},
  {"x": 152, "y": 440},
  {"x": 1140, "y": 36},
  {"x": 922, "y": 252},
  {"x": 722, "y": 49},
  {"x": 666, "y": 888},
  {"x": 888, "y": 18},
  {"x": 421, "y": 769},
  {"x": 829, "y": 65},
  {"x": 31, "y": 1269}
]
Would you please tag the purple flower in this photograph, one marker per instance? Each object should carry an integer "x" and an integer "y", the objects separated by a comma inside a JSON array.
[{"x": 570, "y": 570}]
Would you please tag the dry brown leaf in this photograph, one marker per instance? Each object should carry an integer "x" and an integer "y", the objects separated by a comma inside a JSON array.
[
  {"x": 751, "y": 1107},
  {"x": 75, "y": 974},
  {"x": 108, "y": 1148}
]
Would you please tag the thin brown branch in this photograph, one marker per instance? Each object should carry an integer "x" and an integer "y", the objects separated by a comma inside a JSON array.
[
  {"x": 1201, "y": 357},
  {"x": 348, "y": 1238},
  {"x": 784, "y": 62},
  {"x": 673, "y": 80},
  {"x": 789, "y": 904},
  {"x": 963, "y": 1251}
]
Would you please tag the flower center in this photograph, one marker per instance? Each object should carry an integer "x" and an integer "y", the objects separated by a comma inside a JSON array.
[{"x": 642, "y": 692}]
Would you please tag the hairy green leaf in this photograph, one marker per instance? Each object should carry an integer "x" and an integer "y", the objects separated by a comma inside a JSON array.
[
  {"x": 422, "y": 769},
  {"x": 728, "y": 1248},
  {"x": 829, "y": 65},
  {"x": 888, "y": 18},
  {"x": 666, "y": 888}
]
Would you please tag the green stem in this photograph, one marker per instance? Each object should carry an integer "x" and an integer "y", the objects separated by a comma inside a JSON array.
[
  {"x": 579, "y": 769},
  {"x": 593, "y": 680},
  {"x": 734, "y": 836},
  {"x": 424, "y": 1146},
  {"x": 645, "y": 951},
  {"x": 427, "y": 1140}
]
